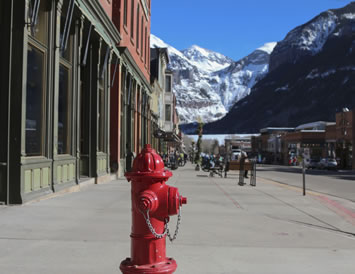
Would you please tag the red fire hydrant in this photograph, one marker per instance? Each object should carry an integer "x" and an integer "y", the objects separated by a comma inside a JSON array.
[{"x": 152, "y": 203}]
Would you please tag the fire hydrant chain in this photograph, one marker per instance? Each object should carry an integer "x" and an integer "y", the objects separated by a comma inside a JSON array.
[
  {"x": 176, "y": 229},
  {"x": 151, "y": 228},
  {"x": 166, "y": 228}
]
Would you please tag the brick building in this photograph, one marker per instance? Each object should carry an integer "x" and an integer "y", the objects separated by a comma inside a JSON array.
[{"x": 75, "y": 100}]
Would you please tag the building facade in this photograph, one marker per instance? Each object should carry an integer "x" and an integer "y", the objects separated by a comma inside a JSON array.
[
  {"x": 159, "y": 61},
  {"x": 131, "y": 90},
  {"x": 317, "y": 140},
  {"x": 76, "y": 98}
]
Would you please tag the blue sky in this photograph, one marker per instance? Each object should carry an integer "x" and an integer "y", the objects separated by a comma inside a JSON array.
[{"x": 232, "y": 27}]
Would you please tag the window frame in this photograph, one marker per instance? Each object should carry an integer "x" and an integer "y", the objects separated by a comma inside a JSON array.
[
  {"x": 137, "y": 30},
  {"x": 32, "y": 42},
  {"x": 132, "y": 19},
  {"x": 125, "y": 10},
  {"x": 70, "y": 105},
  {"x": 166, "y": 83},
  {"x": 167, "y": 117},
  {"x": 45, "y": 48}
]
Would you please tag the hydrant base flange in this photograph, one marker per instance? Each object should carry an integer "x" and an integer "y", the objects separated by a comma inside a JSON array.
[{"x": 166, "y": 267}]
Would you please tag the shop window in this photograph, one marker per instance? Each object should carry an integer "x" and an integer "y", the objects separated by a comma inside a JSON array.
[
  {"x": 167, "y": 112},
  {"x": 40, "y": 22},
  {"x": 64, "y": 110},
  {"x": 101, "y": 114},
  {"x": 65, "y": 105},
  {"x": 122, "y": 109},
  {"x": 35, "y": 125},
  {"x": 35, "y": 102}
]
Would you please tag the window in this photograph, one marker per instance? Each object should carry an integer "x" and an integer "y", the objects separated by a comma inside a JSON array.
[
  {"x": 35, "y": 127},
  {"x": 145, "y": 47},
  {"x": 101, "y": 114},
  {"x": 35, "y": 101},
  {"x": 39, "y": 31},
  {"x": 168, "y": 83},
  {"x": 125, "y": 12},
  {"x": 167, "y": 112},
  {"x": 132, "y": 19},
  {"x": 142, "y": 45},
  {"x": 65, "y": 105},
  {"x": 148, "y": 53},
  {"x": 137, "y": 40},
  {"x": 64, "y": 109},
  {"x": 122, "y": 109}
]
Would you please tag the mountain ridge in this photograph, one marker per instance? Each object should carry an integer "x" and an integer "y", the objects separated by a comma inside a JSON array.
[
  {"x": 207, "y": 83},
  {"x": 311, "y": 77}
]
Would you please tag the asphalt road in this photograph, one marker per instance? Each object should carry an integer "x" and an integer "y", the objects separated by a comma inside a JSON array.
[{"x": 335, "y": 183}]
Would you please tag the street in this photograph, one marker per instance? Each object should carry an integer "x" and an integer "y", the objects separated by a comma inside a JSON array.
[
  {"x": 225, "y": 229},
  {"x": 334, "y": 183}
]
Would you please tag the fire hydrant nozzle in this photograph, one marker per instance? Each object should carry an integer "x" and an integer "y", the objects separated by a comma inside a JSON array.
[
  {"x": 148, "y": 200},
  {"x": 152, "y": 203}
]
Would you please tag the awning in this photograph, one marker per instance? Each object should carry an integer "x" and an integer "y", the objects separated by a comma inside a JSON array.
[{"x": 172, "y": 137}]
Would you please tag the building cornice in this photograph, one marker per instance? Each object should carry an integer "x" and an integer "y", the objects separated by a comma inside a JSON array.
[
  {"x": 126, "y": 56},
  {"x": 96, "y": 9}
]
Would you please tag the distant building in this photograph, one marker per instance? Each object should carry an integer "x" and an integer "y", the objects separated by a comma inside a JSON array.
[{"x": 317, "y": 139}]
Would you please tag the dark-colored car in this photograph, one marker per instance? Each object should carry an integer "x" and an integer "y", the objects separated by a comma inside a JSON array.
[{"x": 313, "y": 163}]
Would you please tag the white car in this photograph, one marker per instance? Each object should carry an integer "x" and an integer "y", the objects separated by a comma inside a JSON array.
[{"x": 328, "y": 163}]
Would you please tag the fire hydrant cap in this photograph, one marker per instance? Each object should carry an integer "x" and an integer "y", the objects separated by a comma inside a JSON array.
[{"x": 148, "y": 163}]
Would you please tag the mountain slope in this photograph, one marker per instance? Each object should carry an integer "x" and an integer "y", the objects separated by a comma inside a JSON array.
[
  {"x": 207, "y": 83},
  {"x": 312, "y": 76}
]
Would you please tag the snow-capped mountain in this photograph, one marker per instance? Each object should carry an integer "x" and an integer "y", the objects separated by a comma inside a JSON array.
[
  {"x": 311, "y": 77},
  {"x": 207, "y": 83},
  {"x": 206, "y": 60},
  {"x": 310, "y": 38}
]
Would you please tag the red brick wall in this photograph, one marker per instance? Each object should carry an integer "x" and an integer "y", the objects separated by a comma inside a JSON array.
[
  {"x": 344, "y": 125},
  {"x": 107, "y": 5},
  {"x": 142, "y": 54}
]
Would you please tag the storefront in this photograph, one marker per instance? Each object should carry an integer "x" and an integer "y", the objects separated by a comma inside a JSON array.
[{"x": 57, "y": 105}]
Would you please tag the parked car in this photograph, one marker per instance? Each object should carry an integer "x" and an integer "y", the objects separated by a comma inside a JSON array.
[
  {"x": 328, "y": 163},
  {"x": 312, "y": 163}
]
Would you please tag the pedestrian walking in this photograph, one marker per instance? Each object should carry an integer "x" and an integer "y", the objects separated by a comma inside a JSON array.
[{"x": 244, "y": 158}]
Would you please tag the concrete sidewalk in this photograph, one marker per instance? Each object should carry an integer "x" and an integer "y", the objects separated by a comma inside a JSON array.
[{"x": 226, "y": 228}]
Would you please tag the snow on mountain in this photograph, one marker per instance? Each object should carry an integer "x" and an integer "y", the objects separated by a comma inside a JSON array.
[
  {"x": 309, "y": 39},
  {"x": 311, "y": 77},
  {"x": 207, "y": 83},
  {"x": 206, "y": 60},
  {"x": 313, "y": 36},
  {"x": 268, "y": 47}
]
